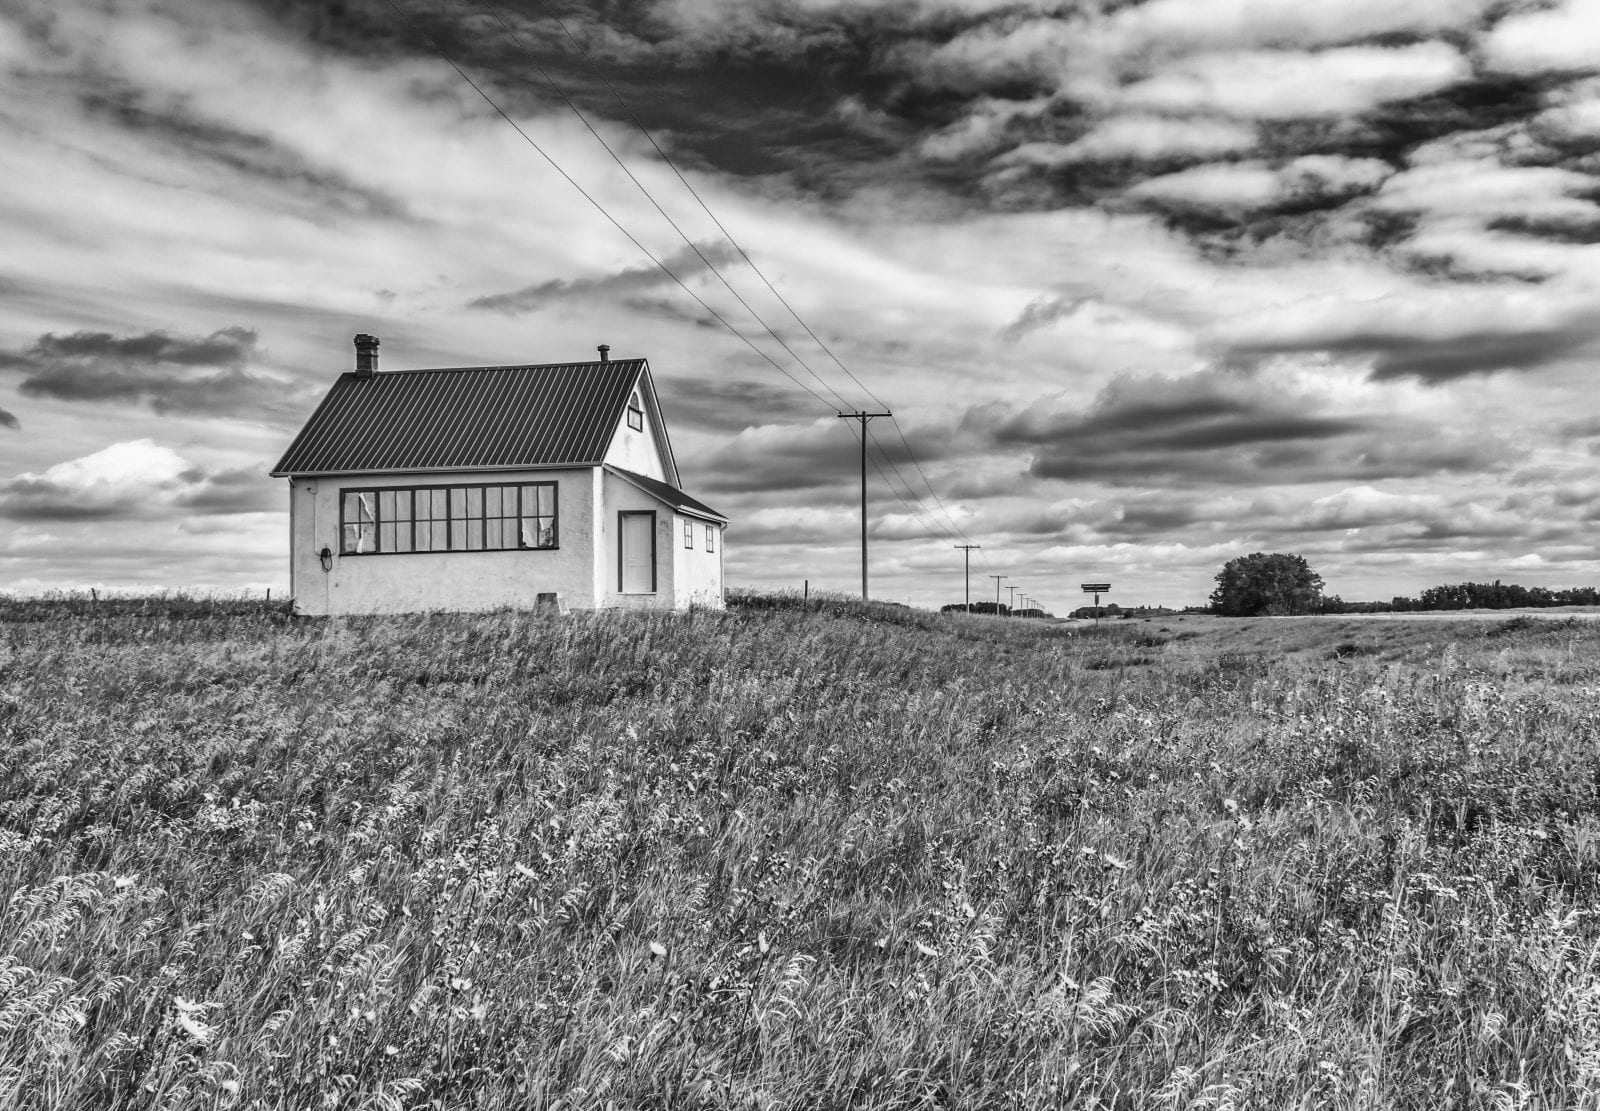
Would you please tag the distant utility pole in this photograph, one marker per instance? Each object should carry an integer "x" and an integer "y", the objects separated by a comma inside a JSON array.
[
  {"x": 967, "y": 550},
  {"x": 1012, "y": 600},
  {"x": 997, "y": 579},
  {"x": 863, "y": 418}
]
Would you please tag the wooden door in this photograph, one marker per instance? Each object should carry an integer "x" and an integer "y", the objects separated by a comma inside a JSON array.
[{"x": 637, "y": 557}]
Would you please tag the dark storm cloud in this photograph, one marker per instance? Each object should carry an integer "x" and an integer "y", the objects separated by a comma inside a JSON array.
[
  {"x": 1437, "y": 360},
  {"x": 9, "y": 420},
  {"x": 627, "y": 285},
  {"x": 1220, "y": 429},
  {"x": 32, "y": 498},
  {"x": 190, "y": 375},
  {"x": 239, "y": 490},
  {"x": 957, "y": 100},
  {"x": 196, "y": 491}
]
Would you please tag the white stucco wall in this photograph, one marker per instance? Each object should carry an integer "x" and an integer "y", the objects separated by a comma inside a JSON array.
[
  {"x": 636, "y": 451},
  {"x": 696, "y": 573},
  {"x": 415, "y": 582}
]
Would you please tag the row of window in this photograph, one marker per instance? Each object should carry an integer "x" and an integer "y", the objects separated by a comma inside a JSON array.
[
  {"x": 394, "y": 519},
  {"x": 688, "y": 536},
  {"x": 404, "y": 519}
]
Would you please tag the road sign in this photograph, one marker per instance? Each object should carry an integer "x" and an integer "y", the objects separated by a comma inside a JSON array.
[{"x": 1096, "y": 588}]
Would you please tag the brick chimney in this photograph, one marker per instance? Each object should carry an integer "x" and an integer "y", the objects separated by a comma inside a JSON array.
[{"x": 366, "y": 355}]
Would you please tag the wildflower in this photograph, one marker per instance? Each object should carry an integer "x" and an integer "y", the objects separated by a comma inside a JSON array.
[
  {"x": 1231, "y": 807},
  {"x": 658, "y": 949}
]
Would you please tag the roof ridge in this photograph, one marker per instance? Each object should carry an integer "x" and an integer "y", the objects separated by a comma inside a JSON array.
[{"x": 507, "y": 366}]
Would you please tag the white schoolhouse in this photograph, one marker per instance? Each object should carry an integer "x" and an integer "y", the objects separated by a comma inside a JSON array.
[{"x": 472, "y": 488}]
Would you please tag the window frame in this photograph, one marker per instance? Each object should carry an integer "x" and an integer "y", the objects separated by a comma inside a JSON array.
[
  {"x": 450, "y": 521},
  {"x": 688, "y": 534},
  {"x": 711, "y": 537}
]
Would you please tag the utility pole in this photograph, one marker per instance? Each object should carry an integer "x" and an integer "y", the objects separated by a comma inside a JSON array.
[
  {"x": 863, "y": 418},
  {"x": 997, "y": 579},
  {"x": 967, "y": 551},
  {"x": 1011, "y": 600}
]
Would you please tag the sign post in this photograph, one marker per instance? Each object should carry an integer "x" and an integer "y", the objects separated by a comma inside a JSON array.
[{"x": 1096, "y": 589}]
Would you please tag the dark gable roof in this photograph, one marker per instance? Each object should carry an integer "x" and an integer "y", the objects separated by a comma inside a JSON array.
[
  {"x": 671, "y": 495},
  {"x": 471, "y": 418}
]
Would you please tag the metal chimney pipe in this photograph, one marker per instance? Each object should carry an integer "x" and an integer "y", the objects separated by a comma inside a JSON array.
[{"x": 605, "y": 352}]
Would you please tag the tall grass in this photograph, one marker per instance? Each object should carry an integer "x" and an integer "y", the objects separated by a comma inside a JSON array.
[{"x": 773, "y": 858}]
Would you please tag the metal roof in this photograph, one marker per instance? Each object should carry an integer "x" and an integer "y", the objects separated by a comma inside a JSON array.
[
  {"x": 671, "y": 495},
  {"x": 465, "y": 418}
]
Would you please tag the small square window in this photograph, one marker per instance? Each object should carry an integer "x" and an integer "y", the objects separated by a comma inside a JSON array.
[{"x": 688, "y": 534}]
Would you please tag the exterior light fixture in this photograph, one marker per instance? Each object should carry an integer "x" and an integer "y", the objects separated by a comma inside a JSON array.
[{"x": 326, "y": 555}]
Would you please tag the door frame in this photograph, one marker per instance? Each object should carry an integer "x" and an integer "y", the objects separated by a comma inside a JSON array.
[{"x": 654, "y": 569}]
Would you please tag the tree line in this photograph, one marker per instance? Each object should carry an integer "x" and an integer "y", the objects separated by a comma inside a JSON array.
[{"x": 1280, "y": 585}]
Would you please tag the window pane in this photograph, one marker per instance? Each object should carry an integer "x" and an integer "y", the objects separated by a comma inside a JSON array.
[
  {"x": 424, "y": 536},
  {"x": 547, "y": 532},
  {"x": 547, "y": 501},
  {"x": 474, "y": 536},
  {"x": 402, "y": 537},
  {"x": 386, "y": 535},
  {"x": 458, "y": 504},
  {"x": 347, "y": 544},
  {"x": 352, "y": 507},
  {"x": 508, "y": 532},
  {"x": 385, "y": 505},
  {"x": 458, "y": 535},
  {"x": 367, "y": 506},
  {"x": 402, "y": 505},
  {"x": 440, "y": 507},
  {"x": 475, "y": 501},
  {"x": 491, "y": 501}
]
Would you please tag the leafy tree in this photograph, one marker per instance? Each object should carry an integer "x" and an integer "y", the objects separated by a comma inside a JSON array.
[{"x": 1258, "y": 584}]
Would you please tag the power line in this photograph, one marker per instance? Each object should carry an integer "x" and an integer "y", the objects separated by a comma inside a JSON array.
[
  {"x": 745, "y": 255},
  {"x": 665, "y": 215},
  {"x": 439, "y": 50}
]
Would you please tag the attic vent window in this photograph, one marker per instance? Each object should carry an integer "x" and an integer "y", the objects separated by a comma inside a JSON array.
[{"x": 635, "y": 414}]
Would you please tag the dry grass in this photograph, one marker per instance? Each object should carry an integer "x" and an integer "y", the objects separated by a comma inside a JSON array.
[{"x": 864, "y": 857}]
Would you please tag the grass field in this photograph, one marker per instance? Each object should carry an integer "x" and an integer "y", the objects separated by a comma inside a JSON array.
[{"x": 863, "y": 857}]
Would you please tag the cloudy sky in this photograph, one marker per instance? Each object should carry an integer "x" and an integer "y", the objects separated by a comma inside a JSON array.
[{"x": 1147, "y": 285}]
